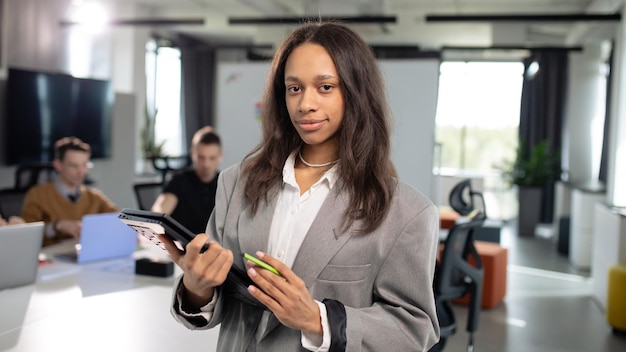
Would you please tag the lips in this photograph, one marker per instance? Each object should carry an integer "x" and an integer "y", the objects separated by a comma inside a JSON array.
[{"x": 310, "y": 125}]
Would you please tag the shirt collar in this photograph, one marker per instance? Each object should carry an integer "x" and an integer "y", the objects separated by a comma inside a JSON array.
[
  {"x": 64, "y": 191},
  {"x": 289, "y": 176}
]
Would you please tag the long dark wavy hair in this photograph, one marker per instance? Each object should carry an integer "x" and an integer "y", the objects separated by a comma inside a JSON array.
[{"x": 365, "y": 170}]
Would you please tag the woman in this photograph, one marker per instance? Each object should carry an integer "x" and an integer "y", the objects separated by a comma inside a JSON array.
[{"x": 319, "y": 201}]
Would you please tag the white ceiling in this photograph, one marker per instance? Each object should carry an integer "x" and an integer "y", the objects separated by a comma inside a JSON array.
[{"x": 411, "y": 27}]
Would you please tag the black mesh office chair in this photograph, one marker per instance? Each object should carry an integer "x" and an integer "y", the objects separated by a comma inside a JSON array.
[
  {"x": 30, "y": 174},
  {"x": 147, "y": 193},
  {"x": 167, "y": 164},
  {"x": 455, "y": 276},
  {"x": 461, "y": 199},
  {"x": 11, "y": 201}
]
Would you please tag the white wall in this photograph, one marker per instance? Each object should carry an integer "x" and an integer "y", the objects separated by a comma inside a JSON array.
[
  {"x": 115, "y": 176},
  {"x": 616, "y": 187},
  {"x": 412, "y": 87},
  {"x": 239, "y": 90},
  {"x": 585, "y": 114}
]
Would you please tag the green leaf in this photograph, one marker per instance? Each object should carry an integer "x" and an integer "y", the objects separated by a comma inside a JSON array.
[{"x": 534, "y": 168}]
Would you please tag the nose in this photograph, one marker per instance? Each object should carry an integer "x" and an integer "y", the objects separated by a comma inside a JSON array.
[{"x": 308, "y": 102}]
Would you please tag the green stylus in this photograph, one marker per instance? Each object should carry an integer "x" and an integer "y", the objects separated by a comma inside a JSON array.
[{"x": 260, "y": 263}]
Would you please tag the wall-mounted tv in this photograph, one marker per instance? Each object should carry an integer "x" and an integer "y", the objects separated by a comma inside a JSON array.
[{"x": 42, "y": 107}]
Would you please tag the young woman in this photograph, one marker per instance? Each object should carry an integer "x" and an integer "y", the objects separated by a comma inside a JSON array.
[{"x": 318, "y": 200}]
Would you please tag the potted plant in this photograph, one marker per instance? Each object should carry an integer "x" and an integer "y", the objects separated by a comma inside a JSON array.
[
  {"x": 532, "y": 170},
  {"x": 149, "y": 147}
]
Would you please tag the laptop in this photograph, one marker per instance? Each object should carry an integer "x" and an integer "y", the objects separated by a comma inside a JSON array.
[
  {"x": 102, "y": 237},
  {"x": 19, "y": 253}
]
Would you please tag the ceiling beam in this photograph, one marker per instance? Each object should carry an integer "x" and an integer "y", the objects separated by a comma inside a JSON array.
[
  {"x": 299, "y": 20},
  {"x": 145, "y": 22},
  {"x": 574, "y": 17},
  {"x": 512, "y": 47}
]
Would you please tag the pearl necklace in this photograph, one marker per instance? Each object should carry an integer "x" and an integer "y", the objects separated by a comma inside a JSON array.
[{"x": 315, "y": 165}]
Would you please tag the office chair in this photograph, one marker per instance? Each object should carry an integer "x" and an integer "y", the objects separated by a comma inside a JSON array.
[
  {"x": 147, "y": 193},
  {"x": 30, "y": 174},
  {"x": 11, "y": 201},
  {"x": 167, "y": 164},
  {"x": 460, "y": 270},
  {"x": 461, "y": 199}
]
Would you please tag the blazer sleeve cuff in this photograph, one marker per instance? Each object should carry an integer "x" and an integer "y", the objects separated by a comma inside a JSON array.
[
  {"x": 337, "y": 321},
  {"x": 191, "y": 318}
]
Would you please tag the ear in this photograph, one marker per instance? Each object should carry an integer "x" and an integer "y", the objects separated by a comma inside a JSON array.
[{"x": 57, "y": 165}]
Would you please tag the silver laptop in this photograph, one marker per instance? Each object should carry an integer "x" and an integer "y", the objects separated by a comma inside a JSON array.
[
  {"x": 19, "y": 253},
  {"x": 102, "y": 237}
]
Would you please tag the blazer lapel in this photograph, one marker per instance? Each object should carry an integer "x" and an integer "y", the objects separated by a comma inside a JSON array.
[
  {"x": 323, "y": 240},
  {"x": 254, "y": 231}
]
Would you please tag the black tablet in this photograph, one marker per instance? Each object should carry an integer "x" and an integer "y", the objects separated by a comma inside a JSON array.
[{"x": 150, "y": 224}]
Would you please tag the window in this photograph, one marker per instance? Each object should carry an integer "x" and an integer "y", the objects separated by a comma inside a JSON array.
[
  {"x": 163, "y": 83},
  {"x": 476, "y": 129},
  {"x": 477, "y": 115}
]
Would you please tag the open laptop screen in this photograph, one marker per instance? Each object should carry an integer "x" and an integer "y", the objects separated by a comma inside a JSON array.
[
  {"x": 103, "y": 236},
  {"x": 19, "y": 253}
]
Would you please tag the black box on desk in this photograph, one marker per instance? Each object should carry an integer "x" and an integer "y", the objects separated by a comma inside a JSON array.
[
  {"x": 154, "y": 267},
  {"x": 490, "y": 231}
]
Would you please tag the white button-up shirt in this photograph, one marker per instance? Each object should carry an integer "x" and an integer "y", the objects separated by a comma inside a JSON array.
[
  {"x": 292, "y": 219},
  {"x": 295, "y": 213}
]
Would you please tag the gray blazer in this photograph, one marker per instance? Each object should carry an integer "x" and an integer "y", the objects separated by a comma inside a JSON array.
[{"x": 384, "y": 278}]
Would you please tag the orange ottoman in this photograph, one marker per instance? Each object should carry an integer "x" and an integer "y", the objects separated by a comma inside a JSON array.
[
  {"x": 447, "y": 219},
  {"x": 494, "y": 258}
]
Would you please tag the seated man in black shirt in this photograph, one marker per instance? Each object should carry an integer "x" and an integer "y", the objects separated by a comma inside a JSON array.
[{"x": 189, "y": 196}]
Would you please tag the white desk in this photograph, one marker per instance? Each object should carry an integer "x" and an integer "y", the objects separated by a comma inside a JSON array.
[
  {"x": 609, "y": 247},
  {"x": 583, "y": 201},
  {"x": 96, "y": 307}
]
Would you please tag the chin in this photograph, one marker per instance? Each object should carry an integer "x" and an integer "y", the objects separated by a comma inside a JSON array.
[
  {"x": 314, "y": 140},
  {"x": 204, "y": 175}
]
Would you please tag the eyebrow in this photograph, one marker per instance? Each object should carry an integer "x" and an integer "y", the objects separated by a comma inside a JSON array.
[{"x": 317, "y": 78}]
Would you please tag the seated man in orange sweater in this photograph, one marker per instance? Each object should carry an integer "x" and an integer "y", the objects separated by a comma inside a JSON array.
[{"x": 61, "y": 203}]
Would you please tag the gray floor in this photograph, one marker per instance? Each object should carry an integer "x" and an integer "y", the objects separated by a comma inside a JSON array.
[{"x": 548, "y": 306}]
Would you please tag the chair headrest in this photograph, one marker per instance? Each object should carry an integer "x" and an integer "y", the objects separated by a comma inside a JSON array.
[{"x": 461, "y": 199}]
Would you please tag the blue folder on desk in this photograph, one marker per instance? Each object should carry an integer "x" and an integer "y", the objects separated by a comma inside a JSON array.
[{"x": 103, "y": 236}]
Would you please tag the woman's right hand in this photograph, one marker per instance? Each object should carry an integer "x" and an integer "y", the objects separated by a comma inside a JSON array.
[{"x": 202, "y": 271}]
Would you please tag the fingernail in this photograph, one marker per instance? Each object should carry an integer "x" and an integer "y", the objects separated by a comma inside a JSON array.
[
  {"x": 252, "y": 272},
  {"x": 259, "y": 254}
]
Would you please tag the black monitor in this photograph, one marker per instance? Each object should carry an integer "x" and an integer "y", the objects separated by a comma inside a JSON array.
[{"x": 42, "y": 107}]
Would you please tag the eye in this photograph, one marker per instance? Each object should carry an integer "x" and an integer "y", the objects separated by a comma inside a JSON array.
[
  {"x": 293, "y": 89},
  {"x": 326, "y": 87}
]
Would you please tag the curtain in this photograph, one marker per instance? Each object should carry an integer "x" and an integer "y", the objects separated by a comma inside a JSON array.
[
  {"x": 542, "y": 110},
  {"x": 197, "y": 87}
]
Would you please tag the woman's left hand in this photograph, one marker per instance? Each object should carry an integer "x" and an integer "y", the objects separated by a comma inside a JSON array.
[{"x": 285, "y": 295}]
